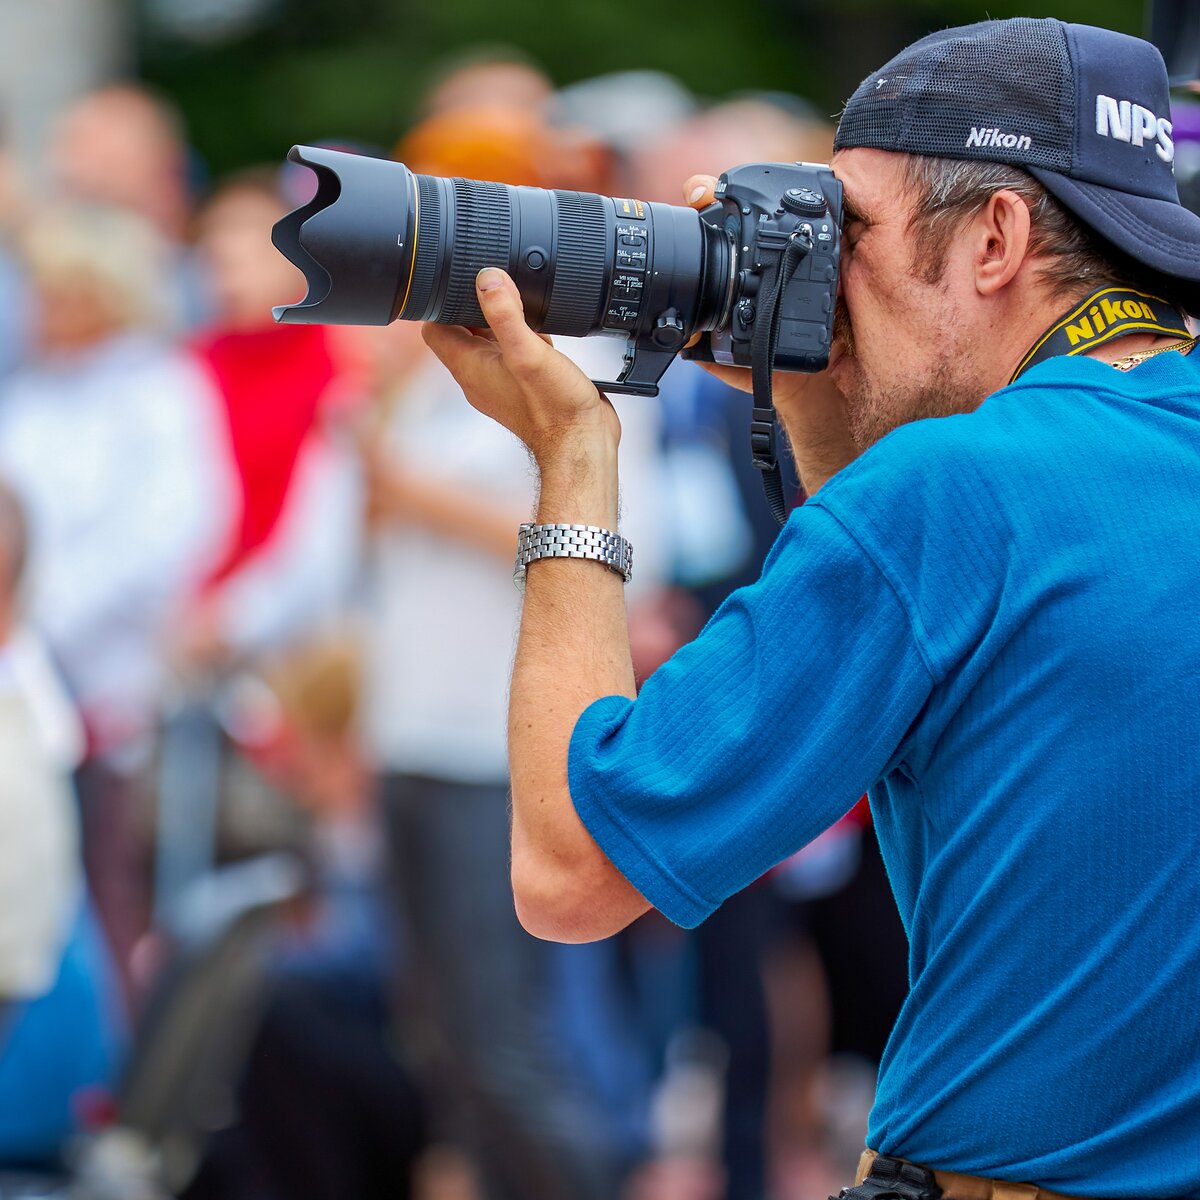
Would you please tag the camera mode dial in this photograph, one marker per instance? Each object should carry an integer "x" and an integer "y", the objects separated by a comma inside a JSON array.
[{"x": 805, "y": 202}]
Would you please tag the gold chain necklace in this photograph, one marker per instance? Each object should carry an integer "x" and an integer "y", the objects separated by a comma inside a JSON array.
[{"x": 1131, "y": 360}]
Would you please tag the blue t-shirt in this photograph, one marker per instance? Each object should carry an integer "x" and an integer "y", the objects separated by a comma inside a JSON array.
[{"x": 992, "y": 621}]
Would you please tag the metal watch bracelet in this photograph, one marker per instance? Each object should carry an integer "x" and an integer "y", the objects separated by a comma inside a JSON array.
[{"x": 571, "y": 541}]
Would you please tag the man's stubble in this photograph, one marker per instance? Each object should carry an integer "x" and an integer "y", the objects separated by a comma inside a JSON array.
[{"x": 947, "y": 382}]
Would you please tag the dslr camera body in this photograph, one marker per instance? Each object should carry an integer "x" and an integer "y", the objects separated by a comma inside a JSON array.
[
  {"x": 755, "y": 274},
  {"x": 770, "y": 211}
]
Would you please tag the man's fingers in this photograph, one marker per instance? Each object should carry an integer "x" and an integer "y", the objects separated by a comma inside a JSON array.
[
  {"x": 449, "y": 337},
  {"x": 500, "y": 303},
  {"x": 700, "y": 190},
  {"x": 447, "y": 341},
  {"x": 459, "y": 349}
]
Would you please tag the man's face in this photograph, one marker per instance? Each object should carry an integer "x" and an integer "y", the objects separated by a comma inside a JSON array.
[
  {"x": 111, "y": 149},
  {"x": 902, "y": 348}
]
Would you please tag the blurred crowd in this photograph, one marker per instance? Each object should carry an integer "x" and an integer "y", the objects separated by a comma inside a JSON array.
[{"x": 256, "y": 620}]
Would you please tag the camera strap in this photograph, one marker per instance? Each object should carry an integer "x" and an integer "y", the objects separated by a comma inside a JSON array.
[
  {"x": 763, "y": 425},
  {"x": 1109, "y": 313}
]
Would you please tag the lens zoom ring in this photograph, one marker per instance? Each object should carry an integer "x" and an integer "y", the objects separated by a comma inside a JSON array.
[
  {"x": 482, "y": 232},
  {"x": 580, "y": 259},
  {"x": 429, "y": 245}
]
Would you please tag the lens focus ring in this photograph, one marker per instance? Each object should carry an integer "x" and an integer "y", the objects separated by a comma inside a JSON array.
[{"x": 482, "y": 233}]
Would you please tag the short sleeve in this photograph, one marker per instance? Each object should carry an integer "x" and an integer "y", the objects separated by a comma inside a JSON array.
[{"x": 760, "y": 733}]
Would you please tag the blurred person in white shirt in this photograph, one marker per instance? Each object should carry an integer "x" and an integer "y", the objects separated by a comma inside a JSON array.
[
  {"x": 59, "y": 1018},
  {"x": 42, "y": 740},
  {"x": 109, "y": 438}
]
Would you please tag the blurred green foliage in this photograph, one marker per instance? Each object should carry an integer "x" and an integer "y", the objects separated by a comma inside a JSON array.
[{"x": 356, "y": 69}]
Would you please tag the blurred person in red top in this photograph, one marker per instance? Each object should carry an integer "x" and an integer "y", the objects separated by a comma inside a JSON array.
[
  {"x": 276, "y": 607},
  {"x": 291, "y": 549}
]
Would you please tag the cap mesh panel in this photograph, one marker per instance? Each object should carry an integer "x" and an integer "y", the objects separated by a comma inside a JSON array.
[{"x": 945, "y": 94}]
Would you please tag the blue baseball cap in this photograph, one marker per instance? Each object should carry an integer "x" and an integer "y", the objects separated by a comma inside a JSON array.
[{"x": 1086, "y": 111}]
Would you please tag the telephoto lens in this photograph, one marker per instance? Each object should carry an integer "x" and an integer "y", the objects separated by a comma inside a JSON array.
[{"x": 379, "y": 243}]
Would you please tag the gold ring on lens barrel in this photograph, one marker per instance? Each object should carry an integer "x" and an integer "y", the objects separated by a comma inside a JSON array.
[{"x": 412, "y": 179}]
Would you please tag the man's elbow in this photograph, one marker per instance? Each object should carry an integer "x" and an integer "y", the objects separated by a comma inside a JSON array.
[{"x": 561, "y": 905}]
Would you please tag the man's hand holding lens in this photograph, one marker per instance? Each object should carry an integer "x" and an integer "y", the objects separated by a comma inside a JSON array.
[{"x": 515, "y": 376}]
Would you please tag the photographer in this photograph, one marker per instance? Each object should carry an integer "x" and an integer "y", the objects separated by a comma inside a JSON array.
[{"x": 960, "y": 619}]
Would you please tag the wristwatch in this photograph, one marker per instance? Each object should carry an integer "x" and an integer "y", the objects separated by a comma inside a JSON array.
[{"x": 571, "y": 541}]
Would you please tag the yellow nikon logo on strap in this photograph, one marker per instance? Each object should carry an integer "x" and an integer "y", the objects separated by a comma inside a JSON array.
[{"x": 1107, "y": 312}]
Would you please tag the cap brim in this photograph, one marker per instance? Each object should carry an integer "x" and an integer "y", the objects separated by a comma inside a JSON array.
[{"x": 1160, "y": 234}]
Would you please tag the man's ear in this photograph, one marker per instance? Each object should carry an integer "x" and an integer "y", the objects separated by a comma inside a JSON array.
[{"x": 1001, "y": 230}]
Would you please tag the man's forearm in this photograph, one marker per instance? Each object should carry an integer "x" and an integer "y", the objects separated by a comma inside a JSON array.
[
  {"x": 574, "y": 642},
  {"x": 573, "y": 649}
]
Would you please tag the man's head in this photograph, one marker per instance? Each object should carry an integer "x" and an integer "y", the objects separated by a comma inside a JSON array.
[
  {"x": 233, "y": 234},
  {"x": 496, "y": 77},
  {"x": 989, "y": 170},
  {"x": 754, "y": 128},
  {"x": 124, "y": 146}
]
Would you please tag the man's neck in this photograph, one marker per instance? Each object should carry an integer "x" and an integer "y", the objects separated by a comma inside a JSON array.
[{"x": 1031, "y": 310}]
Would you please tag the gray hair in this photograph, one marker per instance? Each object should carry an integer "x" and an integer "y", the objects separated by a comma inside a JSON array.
[
  {"x": 118, "y": 253},
  {"x": 1074, "y": 261}
]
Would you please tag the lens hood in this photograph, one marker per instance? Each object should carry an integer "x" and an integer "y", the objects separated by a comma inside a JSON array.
[{"x": 350, "y": 239}]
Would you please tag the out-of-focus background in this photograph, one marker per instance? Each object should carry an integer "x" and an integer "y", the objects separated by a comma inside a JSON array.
[{"x": 256, "y": 937}]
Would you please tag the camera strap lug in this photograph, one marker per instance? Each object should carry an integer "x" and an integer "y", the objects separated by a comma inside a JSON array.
[{"x": 763, "y": 424}]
